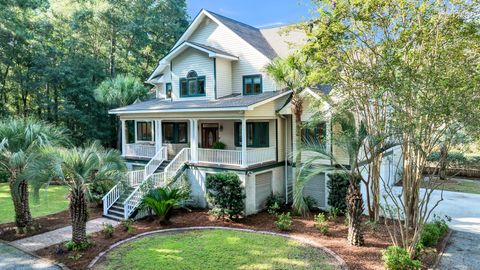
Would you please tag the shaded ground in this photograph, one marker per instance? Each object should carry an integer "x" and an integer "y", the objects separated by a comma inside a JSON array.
[
  {"x": 216, "y": 249},
  {"x": 14, "y": 259},
  {"x": 367, "y": 257},
  {"x": 50, "y": 202},
  {"x": 462, "y": 252}
]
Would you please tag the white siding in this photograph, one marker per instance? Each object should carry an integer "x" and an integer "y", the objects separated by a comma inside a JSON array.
[
  {"x": 250, "y": 60},
  {"x": 192, "y": 59},
  {"x": 263, "y": 188},
  {"x": 224, "y": 77}
]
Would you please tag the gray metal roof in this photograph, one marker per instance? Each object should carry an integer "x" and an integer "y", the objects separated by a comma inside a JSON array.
[
  {"x": 249, "y": 33},
  {"x": 232, "y": 101},
  {"x": 210, "y": 48}
]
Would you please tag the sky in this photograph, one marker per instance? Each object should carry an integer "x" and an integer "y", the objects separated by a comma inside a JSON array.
[{"x": 258, "y": 13}]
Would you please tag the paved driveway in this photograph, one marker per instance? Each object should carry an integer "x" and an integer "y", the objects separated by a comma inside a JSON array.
[
  {"x": 462, "y": 252},
  {"x": 12, "y": 258}
]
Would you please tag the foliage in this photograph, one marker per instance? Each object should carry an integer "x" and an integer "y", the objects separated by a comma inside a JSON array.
[
  {"x": 72, "y": 246},
  {"x": 432, "y": 232},
  {"x": 98, "y": 189},
  {"x": 218, "y": 145},
  {"x": 456, "y": 159},
  {"x": 127, "y": 225},
  {"x": 333, "y": 213},
  {"x": 310, "y": 202},
  {"x": 284, "y": 221},
  {"x": 162, "y": 200},
  {"x": 338, "y": 186},
  {"x": 226, "y": 194},
  {"x": 397, "y": 258},
  {"x": 108, "y": 230},
  {"x": 274, "y": 203},
  {"x": 321, "y": 223},
  {"x": 216, "y": 249}
]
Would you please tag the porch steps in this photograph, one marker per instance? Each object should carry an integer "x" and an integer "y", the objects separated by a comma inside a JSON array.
[{"x": 162, "y": 166}]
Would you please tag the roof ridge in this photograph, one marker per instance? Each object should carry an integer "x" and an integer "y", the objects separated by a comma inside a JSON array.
[{"x": 228, "y": 18}]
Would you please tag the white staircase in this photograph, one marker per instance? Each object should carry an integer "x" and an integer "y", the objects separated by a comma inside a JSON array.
[{"x": 121, "y": 202}]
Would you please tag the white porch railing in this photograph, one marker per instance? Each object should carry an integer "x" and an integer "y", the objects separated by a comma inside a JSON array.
[
  {"x": 135, "y": 178},
  {"x": 111, "y": 197},
  {"x": 177, "y": 163},
  {"x": 153, "y": 164},
  {"x": 216, "y": 156},
  {"x": 134, "y": 200},
  {"x": 261, "y": 155},
  {"x": 140, "y": 150}
]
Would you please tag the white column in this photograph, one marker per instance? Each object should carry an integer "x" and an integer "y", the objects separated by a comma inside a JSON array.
[
  {"x": 244, "y": 143},
  {"x": 194, "y": 139},
  {"x": 124, "y": 139},
  {"x": 158, "y": 135}
]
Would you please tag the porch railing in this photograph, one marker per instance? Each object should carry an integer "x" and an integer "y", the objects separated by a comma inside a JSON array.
[
  {"x": 111, "y": 197},
  {"x": 135, "y": 178},
  {"x": 135, "y": 198},
  {"x": 261, "y": 155},
  {"x": 140, "y": 150},
  {"x": 153, "y": 164},
  {"x": 177, "y": 163},
  {"x": 216, "y": 156}
]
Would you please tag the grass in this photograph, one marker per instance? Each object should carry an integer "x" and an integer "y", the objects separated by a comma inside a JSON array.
[
  {"x": 56, "y": 202},
  {"x": 216, "y": 249},
  {"x": 460, "y": 185}
]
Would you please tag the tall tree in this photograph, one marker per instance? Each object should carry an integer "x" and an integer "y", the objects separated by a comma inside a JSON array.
[{"x": 21, "y": 140}]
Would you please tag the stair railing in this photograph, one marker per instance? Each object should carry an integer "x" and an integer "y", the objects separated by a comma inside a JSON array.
[
  {"x": 177, "y": 163},
  {"x": 153, "y": 164},
  {"x": 110, "y": 198},
  {"x": 135, "y": 198}
]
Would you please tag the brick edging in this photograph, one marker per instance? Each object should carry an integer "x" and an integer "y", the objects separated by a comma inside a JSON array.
[
  {"x": 303, "y": 240},
  {"x": 61, "y": 265},
  {"x": 442, "y": 249}
]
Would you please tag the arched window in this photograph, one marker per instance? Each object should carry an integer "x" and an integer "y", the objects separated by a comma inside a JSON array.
[{"x": 192, "y": 85}]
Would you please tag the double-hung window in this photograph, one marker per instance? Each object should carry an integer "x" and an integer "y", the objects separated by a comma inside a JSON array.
[
  {"x": 314, "y": 134},
  {"x": 193, "y": 85},
  {"x": 144, "y": 131},
  {"x": 252, "y": 84},
  {"x": 174, "y": 132},
  {"x": 257, "y": 134}
]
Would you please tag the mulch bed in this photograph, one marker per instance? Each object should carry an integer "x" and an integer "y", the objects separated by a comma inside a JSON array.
[
  {"x": 366, "y": 257},
  {"x": 44, "y": 224}
]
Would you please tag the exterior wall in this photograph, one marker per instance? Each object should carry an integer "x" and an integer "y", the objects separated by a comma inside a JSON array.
[
  {"x": 192, "y": 59},
  {"x": 226, "y": 135},
  {"x": 224, "y": 77},
  {"x": 250, "y": 60}
]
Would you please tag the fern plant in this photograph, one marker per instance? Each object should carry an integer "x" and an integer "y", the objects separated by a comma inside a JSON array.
[{"x": 162, "y": 200}]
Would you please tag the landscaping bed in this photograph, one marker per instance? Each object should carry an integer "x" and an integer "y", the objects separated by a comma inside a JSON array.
[
  {"x": 45, "y": 224},
  {"x": 367, "y": 257}
]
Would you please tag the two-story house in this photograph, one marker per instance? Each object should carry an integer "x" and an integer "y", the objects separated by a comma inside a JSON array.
[{"x": 216, "y": 109}]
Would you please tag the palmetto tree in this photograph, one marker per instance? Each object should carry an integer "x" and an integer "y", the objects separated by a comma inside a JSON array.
[
  {"x": 78, "y": 168},
  {"x": 293, "y": 72},
  {"x": 120, "y": 91},
  {"x": 20, "y": 141}
]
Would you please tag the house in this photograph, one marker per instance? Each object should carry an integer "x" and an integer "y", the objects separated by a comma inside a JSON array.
[{"x": 216, "y": 109}]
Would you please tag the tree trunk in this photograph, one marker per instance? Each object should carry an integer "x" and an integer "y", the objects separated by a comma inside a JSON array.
[
  {"x": 79, "y": 216},
  {"x": 113, "y": 48},
  {"x": 23, "y": 216},
  {"x": 442, "y": 162},
  {"x": 299, "y": 204},
  {"x": 375, "y": 188},
  {"x": 119, "y": 134},
  {"x": 355, "y": 211}
]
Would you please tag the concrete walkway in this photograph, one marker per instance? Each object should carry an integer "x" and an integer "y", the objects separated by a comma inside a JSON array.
[
  {"x": 12, "y": 258},
  {"x": 462, "y": 252},
  {"x": 58, "y": 236}
]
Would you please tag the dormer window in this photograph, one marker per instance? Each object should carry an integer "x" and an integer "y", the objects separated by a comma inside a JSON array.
[
  {"x": 193, "y": 85},
  {"x": 252, "y": 84}
]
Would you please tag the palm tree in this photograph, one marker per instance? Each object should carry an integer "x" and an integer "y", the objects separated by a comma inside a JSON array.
[
  {"x": 78, "y": 168},
  {"x": 20, "y": 141},
  {"x": 293, "y": 72},
  {"x": 162, "y": 200},
  {"x": 120, "y": 91}
]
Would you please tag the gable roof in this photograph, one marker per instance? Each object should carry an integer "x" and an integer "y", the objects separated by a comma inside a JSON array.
[
  {"x": 228, "y": 103},
  {"x": 248, "y": 33}
]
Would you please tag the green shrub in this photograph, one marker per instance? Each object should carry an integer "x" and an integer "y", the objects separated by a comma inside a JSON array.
[
  {"x": 284, "y": 222},
  {"x": 274, "y": 202},
  {"x": 98, "y": 189},
  {"x": 72, "y": 246},
  {"x": 333, "y": 213},
  {"x": 108, "y": 230},
  {"x": 338, "y": 186},
  {"x": 226, "y": 194},
  {"x": 162, "y": 200},
  {"x": 321, "y": 223},
  {"x": 3, "y": 176},
  {"x": 127, "y": 225},
  {"x": 310, "y": 202},
  {"x": 397, "y": 258},
  {"x": 218, "y": 145},
  {"x": 432, "y": 232}
]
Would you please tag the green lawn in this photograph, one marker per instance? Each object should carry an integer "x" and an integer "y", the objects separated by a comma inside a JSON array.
[
  {"x": 216, "y": 249},
  {"x": 460, "y": 185},
  {"x": 56, "y": 202}
]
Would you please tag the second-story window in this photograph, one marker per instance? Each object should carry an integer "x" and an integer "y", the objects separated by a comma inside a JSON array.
[
  {"x": 193, "y": 85},
  {"x": 168, "y": 90},
  {"x": 252, "y": 84}
]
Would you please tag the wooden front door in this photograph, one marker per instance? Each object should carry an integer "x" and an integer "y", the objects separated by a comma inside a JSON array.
[{"x": 209, "y": 135}]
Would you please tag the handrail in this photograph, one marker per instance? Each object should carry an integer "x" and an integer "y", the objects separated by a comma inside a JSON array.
[
  {"x": 261, "y": 155},
  {"x": 177, "y": 163},
  {"x": 135, "y": 178},
  {"x": 220, "y": 156},
  {"x": 110, "y": 198},
  {"x": 135, "y": 198},
  {"x": 156, "y": 160}
]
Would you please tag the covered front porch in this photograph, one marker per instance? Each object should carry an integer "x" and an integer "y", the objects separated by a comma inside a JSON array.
[{"x": 238, "y": 142}]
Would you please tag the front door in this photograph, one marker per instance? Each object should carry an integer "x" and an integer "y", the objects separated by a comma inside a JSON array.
[{"x": 209, "y": 135}]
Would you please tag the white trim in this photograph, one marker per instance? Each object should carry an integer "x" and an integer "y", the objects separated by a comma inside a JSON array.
[
  {"x": 251, "y": 107},
  {"x": 151, "y": 131}
]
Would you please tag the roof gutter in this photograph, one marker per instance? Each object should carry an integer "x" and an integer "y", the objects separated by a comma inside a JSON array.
[{"x": 180, "y": 110}]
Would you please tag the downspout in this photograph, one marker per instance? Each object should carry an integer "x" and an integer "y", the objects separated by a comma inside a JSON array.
[
  {"x": 215, "y": 77},
  {"x": 286, "y": 158}
]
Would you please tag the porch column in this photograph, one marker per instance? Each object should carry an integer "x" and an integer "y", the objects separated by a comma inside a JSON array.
[
  {"x": 244, "y": 143},
  {"x": 124, "y": 139},
  {"x": 158, "y": 135},
  {"x": 194, "y": 139}
]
